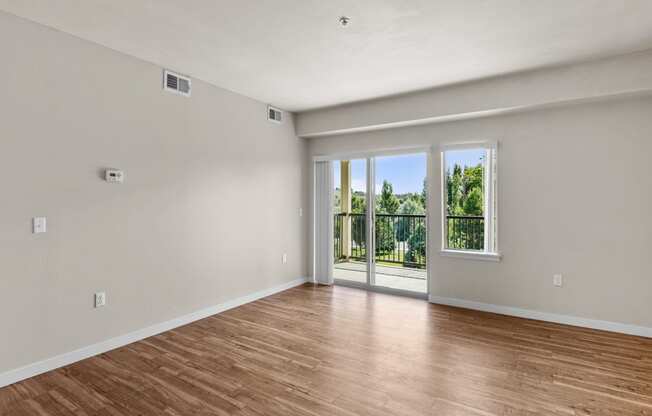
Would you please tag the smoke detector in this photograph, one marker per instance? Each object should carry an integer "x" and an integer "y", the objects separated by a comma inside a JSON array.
[{"x": 344, "y": 21}]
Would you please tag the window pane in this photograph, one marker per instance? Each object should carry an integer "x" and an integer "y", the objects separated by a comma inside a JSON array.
[{"x": 465, "y": 195}]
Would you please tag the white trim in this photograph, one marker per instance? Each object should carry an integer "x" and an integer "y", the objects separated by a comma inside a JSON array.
[
  {"x": 370, "y": 219},
  {"x": 490, "y": 195},
  {"x": 372, "y": 153},
  {"x": 628, "y": 329},
  {"x": 58, "y": 361},
  {"x": 476, "y": 144},
  {"x": 381, "y": 289},
  {"x": 471, "y": 255}
]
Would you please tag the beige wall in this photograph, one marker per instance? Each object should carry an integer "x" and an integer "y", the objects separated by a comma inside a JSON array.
[
  {"x": 210, "y": 203},
  {"x": 575, "y": 191},
  {"x": 623, "y": 75}
]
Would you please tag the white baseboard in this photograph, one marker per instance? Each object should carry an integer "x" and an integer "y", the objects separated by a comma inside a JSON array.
[
  {"x": 58, "y": 361},
  {"x": 641, "y": 331}
]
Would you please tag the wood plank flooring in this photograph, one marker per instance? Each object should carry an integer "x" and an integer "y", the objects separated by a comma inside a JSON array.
[{"x": 345, "y": 352}]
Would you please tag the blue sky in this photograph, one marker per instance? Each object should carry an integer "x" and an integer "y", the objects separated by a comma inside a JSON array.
[
  {"x": 470, "y": 157},
  {"x": 404, "y": 172}
]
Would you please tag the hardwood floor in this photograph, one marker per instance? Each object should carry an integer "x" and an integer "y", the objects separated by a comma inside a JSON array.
[{"x": 339, "y": 351}]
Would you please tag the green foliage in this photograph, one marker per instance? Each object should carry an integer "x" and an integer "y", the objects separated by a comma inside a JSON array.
[
  {"x": 417, "y": 245},
  {"x": 464, "y": 193},
  {"x": 388, "y": 203},
  {"x": 405, "y": 226},
  {"x": 358, "y": 203},
  {"x": 385, "y": 240},
  {"x": 473, "y": 203}
]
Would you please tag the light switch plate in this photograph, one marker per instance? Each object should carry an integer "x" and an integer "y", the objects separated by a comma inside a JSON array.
[
  {"x": 39, "y": 225},
  {"x": 557, "y": 280}
]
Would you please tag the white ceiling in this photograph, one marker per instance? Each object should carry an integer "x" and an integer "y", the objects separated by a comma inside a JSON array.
[{"x": 294, "y": 54}]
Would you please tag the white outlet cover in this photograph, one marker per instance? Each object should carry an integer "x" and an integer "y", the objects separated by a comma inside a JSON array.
[
  {"x": 100, "y": 299},
  {"x": 285, "y": 258}
]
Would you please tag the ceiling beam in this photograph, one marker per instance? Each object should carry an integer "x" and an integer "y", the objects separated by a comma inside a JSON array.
[{"x": 619, "y": 76}]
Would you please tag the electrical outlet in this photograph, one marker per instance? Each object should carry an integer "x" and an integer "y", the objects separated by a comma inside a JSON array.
[
  {"x": 285, "y": 258},
  {"x": 301, "y": 212},
  {"x": 100, "y": 299},
  {"x": 557, "y": 280}
]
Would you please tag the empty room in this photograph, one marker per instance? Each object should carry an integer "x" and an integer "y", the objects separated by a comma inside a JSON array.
[{"x": 317, "y": 208}]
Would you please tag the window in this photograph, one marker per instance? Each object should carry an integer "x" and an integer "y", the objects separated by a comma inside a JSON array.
[{"x": 468, "y": 201}]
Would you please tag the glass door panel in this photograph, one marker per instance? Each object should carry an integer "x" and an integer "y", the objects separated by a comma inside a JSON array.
[
  {"x": 350, "y": 221},
  {"x": 400, "y": 230}
]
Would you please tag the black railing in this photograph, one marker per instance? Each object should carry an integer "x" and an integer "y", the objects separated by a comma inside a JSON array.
[
  {"x": 358, "y": 237},
  {"x": 400, "y": 238},
  {"x": 465, "y": 232}
]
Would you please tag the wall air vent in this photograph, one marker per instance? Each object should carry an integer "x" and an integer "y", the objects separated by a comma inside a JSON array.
[
  {"x": 176, "y": 83},
  {"x": 274, "y": 114}
]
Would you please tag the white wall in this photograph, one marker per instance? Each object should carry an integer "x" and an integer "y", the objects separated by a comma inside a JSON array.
[
  {"x": 210, "y": 203},
  {"x": 575, "y": 190}
]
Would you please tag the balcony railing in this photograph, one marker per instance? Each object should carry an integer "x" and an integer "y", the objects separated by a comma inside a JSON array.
[
  {"x": 465, "y": 232},
  {"x": 401, "y": 238}
]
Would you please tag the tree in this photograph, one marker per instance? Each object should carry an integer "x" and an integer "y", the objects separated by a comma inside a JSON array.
[
  {"x": 473, "y": 204},
  {"x": 385, "y": 241},
  {"x": 454, "y": 190},
  {"x": 388, "y": 203},
  {"x": 417, "y": 246},
  {"x": 405, "y": 225},
  {"x": 464, "y": 190},
  {"x": 358, "y": 203}
]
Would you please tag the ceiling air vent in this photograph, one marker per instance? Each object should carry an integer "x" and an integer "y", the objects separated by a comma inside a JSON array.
[
  {"x": 274, "y": 114},
  {"x": 176, "y": 83}
]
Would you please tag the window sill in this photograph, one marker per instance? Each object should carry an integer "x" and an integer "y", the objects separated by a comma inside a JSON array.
[{"x": 471, "y": 255}]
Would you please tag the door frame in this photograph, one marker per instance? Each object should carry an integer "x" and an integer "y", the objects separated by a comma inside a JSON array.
[{"x": 370, "y": 156}]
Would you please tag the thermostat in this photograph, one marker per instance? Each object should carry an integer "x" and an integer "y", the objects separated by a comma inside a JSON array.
[{"x": 114, "y": 175}]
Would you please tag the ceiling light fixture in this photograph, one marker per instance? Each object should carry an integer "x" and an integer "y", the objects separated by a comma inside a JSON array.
[{"x": 344, "y": 21}]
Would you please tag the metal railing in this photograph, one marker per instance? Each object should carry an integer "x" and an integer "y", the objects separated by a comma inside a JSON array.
[
  {"x": 465, "y": 232},
  {"x": 400, "y": 238}
]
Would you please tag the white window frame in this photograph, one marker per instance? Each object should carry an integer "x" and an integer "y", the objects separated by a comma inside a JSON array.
[{"x": 490, "y": 252}]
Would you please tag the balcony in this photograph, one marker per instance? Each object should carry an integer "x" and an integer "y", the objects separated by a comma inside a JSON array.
[{"x": 400, "y": 256}]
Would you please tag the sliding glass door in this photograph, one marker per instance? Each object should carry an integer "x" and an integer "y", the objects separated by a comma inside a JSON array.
[{"x": 379, "y": 222}]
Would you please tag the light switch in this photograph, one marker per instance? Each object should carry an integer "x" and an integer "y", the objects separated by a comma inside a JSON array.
[
  {"x": 39, "y": 225},
  {"x": 558, "y": 280}
]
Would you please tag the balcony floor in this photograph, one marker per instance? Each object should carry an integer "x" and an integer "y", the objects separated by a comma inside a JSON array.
[{"x": 395, "y": 277}]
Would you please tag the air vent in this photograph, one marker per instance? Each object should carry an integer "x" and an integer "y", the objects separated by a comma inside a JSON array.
[
  {"x": 274, "y": 114},
  {"x": 176, "y": 83}
]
